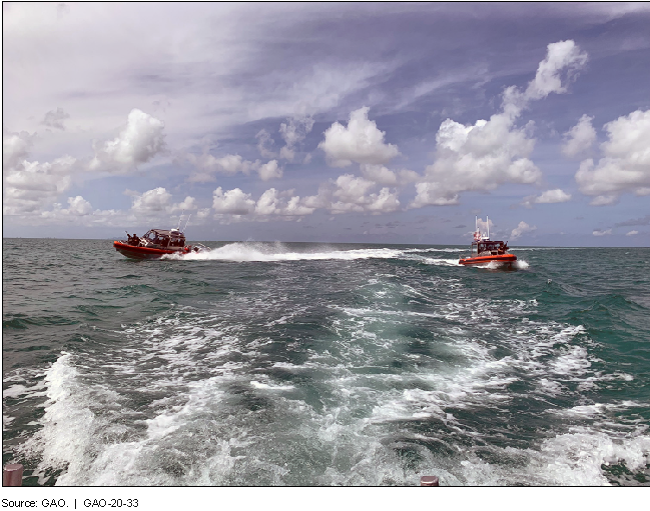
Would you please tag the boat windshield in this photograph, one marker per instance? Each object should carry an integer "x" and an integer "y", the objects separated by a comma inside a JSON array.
[
  {"x": 166, "y": 238},
  {"x": 489, "y": 247}
]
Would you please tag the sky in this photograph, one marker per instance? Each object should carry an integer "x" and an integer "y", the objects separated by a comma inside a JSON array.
[{"x": 330, "y": 122}]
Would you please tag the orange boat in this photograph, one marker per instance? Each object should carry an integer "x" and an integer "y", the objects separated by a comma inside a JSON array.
[
  {"x": 155, "y": 244},
  {"x": 484, "y": 251}
]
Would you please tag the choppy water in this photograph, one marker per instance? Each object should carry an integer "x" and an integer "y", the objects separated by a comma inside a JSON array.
[{"x": 311, "y": 364}]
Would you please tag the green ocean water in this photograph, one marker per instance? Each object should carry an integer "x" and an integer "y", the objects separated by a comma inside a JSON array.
[{"x": 325, "y": 364}]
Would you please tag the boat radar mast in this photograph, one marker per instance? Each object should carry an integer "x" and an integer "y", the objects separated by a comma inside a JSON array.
[{"x": 478, "y": 236}]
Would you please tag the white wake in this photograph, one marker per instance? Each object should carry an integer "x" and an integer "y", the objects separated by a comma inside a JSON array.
[{"x": 279, "y": 252}]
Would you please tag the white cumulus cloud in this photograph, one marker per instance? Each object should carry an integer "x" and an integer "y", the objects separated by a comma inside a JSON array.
[
  {"x": 33, "y": 186},
  {"x": 553, "y": 196},
  {"x": 478, "y": 157},
  {"x": 15, "y": 149},
  {"x": 563, "y": 59},
  {"x": 490, "y": 153},
  {"x": 141, "y": 140},
  {"x": 548, "y": 197},
  {"x": 379, "y": 174},
  {"x": 207, "y": 166},
  {"x": 188, "y": 204},
  {"x": 270, "y": 170},
  {"x": 234, "y": 202},
  {"x": 79, "y": 206},
  {"x": 580, "y": 138},
  {"x": 632, "y": 233},
  {"x": 360, "y": 142},
  {"x": 152, "y": 202},
  {"x": 600, "y": 232},
  {"x": 625, "y": 165},
  {"x": 604, "y": 200},
  {"x": 521, "y": 229},
  {"x": 353, "y": 196},
  {"x": 272, "y": 202}
]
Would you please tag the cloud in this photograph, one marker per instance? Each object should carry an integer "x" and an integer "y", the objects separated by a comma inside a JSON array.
[
  {"x": 31, "y": 186},
  {"x": 263, "y": 144},
  {"x": 604, "y": 200},
  {"x": 563, "y": 59},
  {"x": 598, "y": 232},
  {"x": 580, "y": 138},
  {"x": 272, "y": 202},
  {"x": 267, "y": 204},
  {"x": 632, "y": 233},
  {"x": 547, "y": 197},
  {"x": 353, "y": 196},
  {"x": 55, "y": 118},
  {"x": 347, "y": 194},
  {"x": 15, "y": 149},
  {"x": 478, "y": 157},
  {"x": 152, "y": 202},
  {"x": 360, "y": 142},
  {"x": 208, "y": 165},
  {"x": 625, "y": 165},
  {"x": 36, "y": 185},
  {"x": 230, "y": 164},
  {"x": 482, "y": 156},
  {"x": 79, "y": 206},
  {"x": 79, "y": 212},
  {"x": 294, "y": 132},
  {"x": 521, "y": 229},
  {"x": 379, "y": 174},
  {"x": 158, "y": 203},
  {"x": 552, "y": 197},
  {"x": 233, "y": 202},
  {"x": 351, "y": 189},
  {"x": 270, "y": 170},
  {"x": 188, "y": 203},
  {"x": 141, "y": 140},
  {"x": 151, "y": 206},
  {"x": 635, "y": 221}
]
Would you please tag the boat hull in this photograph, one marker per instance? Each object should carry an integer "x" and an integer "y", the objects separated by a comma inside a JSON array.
[
  {"x": 143, "y": 252},
  {"x": 505, "y": 259}
]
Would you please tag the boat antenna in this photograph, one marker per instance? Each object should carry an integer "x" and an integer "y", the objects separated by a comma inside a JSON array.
[
  {"x": 188, "y": 219},
  {"x": 488, "y": 223},
  {"x": 179, "y": 219}
]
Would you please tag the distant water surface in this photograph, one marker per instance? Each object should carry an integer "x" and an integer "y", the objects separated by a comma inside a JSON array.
[{"x": 325, "y": 364}]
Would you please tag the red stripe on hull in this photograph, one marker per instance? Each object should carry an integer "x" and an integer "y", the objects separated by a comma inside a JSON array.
[
  {"x": 141, "y": 252},
  {"x": 505, "y": 258}
]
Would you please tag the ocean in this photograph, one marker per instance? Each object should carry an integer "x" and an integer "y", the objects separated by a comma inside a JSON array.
[{"x": 302, "y": 364}]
